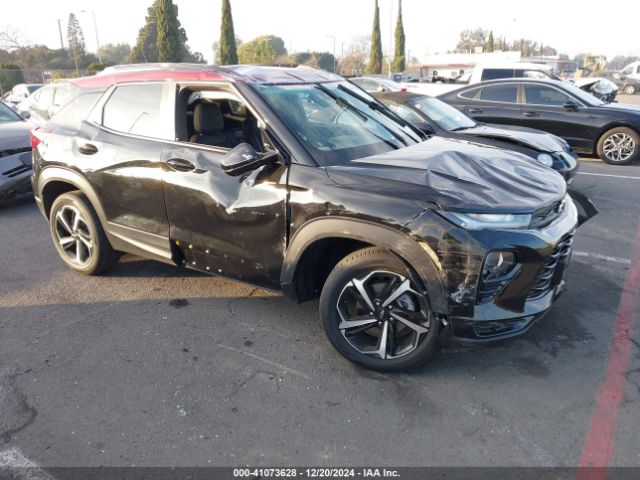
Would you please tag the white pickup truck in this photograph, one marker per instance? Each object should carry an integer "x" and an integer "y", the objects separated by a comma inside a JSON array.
[{"x": 480, "y": 73}]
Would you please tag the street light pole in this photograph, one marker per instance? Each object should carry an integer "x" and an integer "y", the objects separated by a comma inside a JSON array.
[
  {"x": 95, "y": 28},
  {"x": 334, "y": 52}
]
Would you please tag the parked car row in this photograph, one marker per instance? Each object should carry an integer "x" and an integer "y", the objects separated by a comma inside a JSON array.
[
  {"x": 589, "y": 125},
  {"x": 299, "y": 181}
]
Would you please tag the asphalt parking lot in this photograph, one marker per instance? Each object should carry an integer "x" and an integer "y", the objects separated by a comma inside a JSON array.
[{"x": 153, "y": 365}]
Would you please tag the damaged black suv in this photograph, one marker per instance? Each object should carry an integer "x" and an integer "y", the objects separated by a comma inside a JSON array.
[{"x": 297, "y": 181}]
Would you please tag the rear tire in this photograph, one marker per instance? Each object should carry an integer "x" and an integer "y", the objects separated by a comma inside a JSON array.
[
  {"x": 619, "y": 146},
  {"x": 374, "y": 314},
  {"x": 78, "y": 235},
  {"x": 629, "y": 89}
]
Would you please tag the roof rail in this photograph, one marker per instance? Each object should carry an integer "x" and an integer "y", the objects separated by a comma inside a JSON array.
[{"x": 140, "y": 67}]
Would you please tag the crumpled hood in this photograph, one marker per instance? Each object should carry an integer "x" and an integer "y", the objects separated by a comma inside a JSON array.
[
  {"x": 455, "y": 175},
  {"x": 14, "y": 135},
  {"x": 526, "y": 137}
]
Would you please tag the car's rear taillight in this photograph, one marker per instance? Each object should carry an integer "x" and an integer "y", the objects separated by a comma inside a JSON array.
[{"x": 37, "y": 135}]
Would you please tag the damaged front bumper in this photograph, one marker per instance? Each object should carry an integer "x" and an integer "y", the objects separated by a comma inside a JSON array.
[{"x": 482, "y": 309}]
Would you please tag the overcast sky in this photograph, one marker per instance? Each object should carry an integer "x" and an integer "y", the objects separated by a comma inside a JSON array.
[{"x": 430, "y": 26}]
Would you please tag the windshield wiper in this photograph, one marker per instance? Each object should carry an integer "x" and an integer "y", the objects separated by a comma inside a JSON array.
[
  {"x": 383, "y": 109},
  {"x": 342, "y": 102}
]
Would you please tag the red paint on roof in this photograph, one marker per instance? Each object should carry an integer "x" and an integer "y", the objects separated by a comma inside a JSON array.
[{"x": 104, "y": 81}]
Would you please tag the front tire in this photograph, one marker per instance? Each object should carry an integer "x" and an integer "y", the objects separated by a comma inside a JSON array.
[
  {"x": 619, "y": 146},
  {"x": 629, "y": 89},
  {"x": 374, "y": 314},
  {"x": 78, "y": 235}
]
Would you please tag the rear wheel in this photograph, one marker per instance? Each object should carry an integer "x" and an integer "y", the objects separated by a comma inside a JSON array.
[
  {"x": 630, "y": 89},
  {"x": 78, "y": 235},
  {"x": 619, "y": 146},
  {"x": 375, "y": 315}
]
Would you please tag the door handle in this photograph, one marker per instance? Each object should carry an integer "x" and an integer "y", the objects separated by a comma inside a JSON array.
[
  {"x": 88, "y": 149},
  {"x": 531, "y": 114},
  {"x": 475, "y": 110},
  {"x": 181, "y": 165}
]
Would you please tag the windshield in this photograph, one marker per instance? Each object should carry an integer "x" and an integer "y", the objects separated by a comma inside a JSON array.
[
  {"x": 7, "y": 115},
  {"x": 582, "y": 95},
  {"x": 443, "y": 115},
  {"x": 334, "y": 125}
]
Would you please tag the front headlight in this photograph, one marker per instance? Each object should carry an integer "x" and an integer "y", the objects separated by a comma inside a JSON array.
[
  {"x": 545, "y": 159},
  {"x": 483, "y": 221}
]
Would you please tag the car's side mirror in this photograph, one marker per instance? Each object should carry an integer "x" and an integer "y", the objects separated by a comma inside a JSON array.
[
  {"x": 571, "y": 106},
  {"x": 26, "y": 114},
  {"x": 244, "y": 158}
]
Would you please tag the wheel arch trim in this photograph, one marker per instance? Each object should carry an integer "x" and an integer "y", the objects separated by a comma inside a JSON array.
[
  {"x": 65, "y": 175},
  {"x": 413, "y": 254}
]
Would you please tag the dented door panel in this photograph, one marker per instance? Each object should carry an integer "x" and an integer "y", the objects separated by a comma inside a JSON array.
[{"x": 223, "y": 224}]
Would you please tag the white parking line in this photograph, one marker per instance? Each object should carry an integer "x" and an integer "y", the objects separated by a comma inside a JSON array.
[
  {"x": 606, "y": 258},
  {"x": 25, "y": 469},
  {"x": 606, "y": 175}
]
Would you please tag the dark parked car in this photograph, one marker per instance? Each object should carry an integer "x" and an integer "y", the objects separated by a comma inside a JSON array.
[
  {"x": 15, "y": 154},
  {"x": 589, "y": 125},
  {"x": 433, "y": 116},
  {"x": 297, "y": 181}
]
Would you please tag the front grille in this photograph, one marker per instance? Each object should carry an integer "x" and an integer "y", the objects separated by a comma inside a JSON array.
[
  {"x": 14, "y": 172},
  {"x": 545, "y": 216},
  {"x": 14, "y": 151},
  {"x": 544, "y": 279}
]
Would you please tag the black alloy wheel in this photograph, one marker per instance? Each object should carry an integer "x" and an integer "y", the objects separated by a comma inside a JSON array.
[{"x": 375, "y": 315}]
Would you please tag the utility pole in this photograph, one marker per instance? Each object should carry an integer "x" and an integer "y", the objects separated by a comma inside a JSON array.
[
  {"x": 334, "y": 52},
  {"x": 95, "y": 28},
  {"x": 60, "y": 32}
]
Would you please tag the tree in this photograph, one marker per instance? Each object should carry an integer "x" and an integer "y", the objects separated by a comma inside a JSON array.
[
  {"x": 262, "y": 50},
  {"x": 490, "y": 43},
  {"x": 115, "y": 54},
  {"x": 168, "y": 32},
  {"x": 471, "y": 39},
  {"x": 146, "y": 48},
  {"x": 10, "y": 76},
  {"x": 355, "y": 60},
  {"x": 375, "y": 55},
  {"x": 94, "y": 68},
  {"x": 399, "y": 54},
  {"x": 75, "y": 39},
  {"x": 228, "y": 54}
]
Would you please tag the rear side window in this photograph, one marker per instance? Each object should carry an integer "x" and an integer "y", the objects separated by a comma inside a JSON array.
[
  {"x": 497, "y": 73},
  {"x": 75, "y": 112},
  {"x": 470, "y": 93},
  {"x": 543, "y": 95},
  {"x": 500, "y": 93},
  {"x": 134, "y": 109}
]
